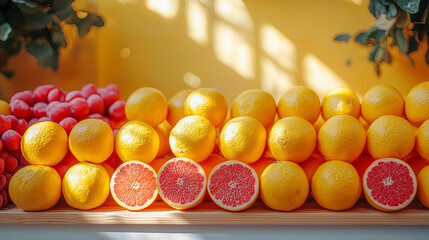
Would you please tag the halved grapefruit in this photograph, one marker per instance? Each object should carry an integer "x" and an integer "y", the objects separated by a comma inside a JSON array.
[
  {"x": 133, "y": 185},
  {"x": 181, "y": 183},
  {"x": 389, "y": 184},
  {"x": 233, "y": 185}
]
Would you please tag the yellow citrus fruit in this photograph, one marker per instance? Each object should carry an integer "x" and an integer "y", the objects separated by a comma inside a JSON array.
[
  {"x": 284, "y": 186},
  {"x": 336, "y": 185},
  {"x": 255, "y": 103},
  {"x": 382, "y": 100},
  {"x": 422, "y": 140},
  {"x": 423, "y": 186},
  {"x": 137, "y": 140},
  {"x": 311, "y": 165},
  {"x": 175, "y": 106},
  {"x": 208, "y": 103},
  {"x": 417, "y": 103},
  {"x": 91, "y": 140},
  {"x": 342, "y": 137},
  {"x": 35, "y": 188},
  {"x": 44, "y": 143},
  {"x": 4, "y": 108},
  {"x": 148, "y": 105},
  {"x": 318, "y": 124},
  {"x": 300, "y": 101},
  {"x": 86, "y": 186},
  {"x": 243, "y": 139},
  {"x": 193, "y": 137},
  {"x": 340, "y": 101},
  {"x": 390, "y": 137},
  {"x": 260, "y": 165},
  {"x": 293, "y": 139},
  {"x": 163, "y": 131}
]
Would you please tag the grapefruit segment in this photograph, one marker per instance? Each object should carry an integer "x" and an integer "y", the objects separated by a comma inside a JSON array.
[
  {"x": 389, "y": 184},
  {"x": 233, "y": 185},
  {"x": 181, "y": 183},
  {"x": 133, "y": 185}
]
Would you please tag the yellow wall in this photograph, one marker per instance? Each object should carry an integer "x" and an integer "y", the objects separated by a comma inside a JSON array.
[{"x": 226, "y": 44}]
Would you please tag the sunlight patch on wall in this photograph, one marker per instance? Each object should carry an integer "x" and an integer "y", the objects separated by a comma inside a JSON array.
[
  {"x": 278, "y": 47},
  {"x": 166, "y": 8},
  {"x": 233, "y": 50},
  {"x": 192, "y": 80},
  {"x": 196, "y": 17},
  {"x": 274, "y": 79},
  {"x": 125, "y": 52},
  {"x": 320, "y": 77},
  {"x": 356, "y": 2},
  {"x": 234, "y": 12}
]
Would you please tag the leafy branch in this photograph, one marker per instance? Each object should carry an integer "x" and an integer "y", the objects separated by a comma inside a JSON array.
[
  {"x": 35, "y": 26},
  {"x": 402, "y": 24}
]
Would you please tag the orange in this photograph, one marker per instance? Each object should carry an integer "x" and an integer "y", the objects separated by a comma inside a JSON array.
[
  {"x": 362, "y": 163},
  {"x": 4, "y": 108},
  {"x": 336, "y": 185},
  {"x": 390, "y": 136},
  {"x": 233, "y": 185},
  {"x": 44, "y": 143},
  {"x": 35, "y": 188},
  {"x": 422, "y": 140},
  {"x": 208, "y": 103},
  {"x": 148, "y": 105},
  {"x": 243, "y": 139},
  {"x": 417, "y": 103},
  {"x": 423, "y": 186},
  {"x": 417, "y": 163},
  {"x": 193, "y": 137},
  {"x": 260, "y": 165},
  {"x": 284, "y": 186},
  {"x": 163, "y": 131},
  {"x": 293, "y": 139},
  {"x": 340, "y": 101},
  {"x": 86, "y": 186},
  {"x": 91, "y": 140},
  {"x": 318, "y": 124},
  {"x": 181, "y": 183},
  {"x": 212, "y": 161},
  {"x": 137, "y": 140},
  {"x": 255, "y": 103},
  {"x": 175, "y": 106},
  {"x": 300, "y": 101},
  {"x": 342, "y": 137},
  {"x": 311, "y": 165},
  {"x": 133, "y": 185},
  {"x": 382, "y": 100}
]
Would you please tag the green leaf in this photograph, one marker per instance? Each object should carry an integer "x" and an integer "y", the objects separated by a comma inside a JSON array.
[
  {"x": 57, "y": 37},
  {"x": 342, "y": 38},
  {"x": 59, "y": 5},
  {"x": 5, "y": 30},
  {"x": 64, "y": 14},
  {"x": 413, "y": 45},
  {"x": 411, "y": 6},
  {"x": 400, "y": 40},
  {"x": 44, "y": 53},
  {"x": 373, "y": 52},
  {"x": 8, "y": 74},
  {"x": 84, "y": 24},
  {"x": 377, "y": 34},
  {"x": 379, "y": 55},
  {"x": 378, "y": 7}
]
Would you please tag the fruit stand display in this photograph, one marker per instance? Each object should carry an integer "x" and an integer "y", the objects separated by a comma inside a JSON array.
[{"x": 88, "y": 157}]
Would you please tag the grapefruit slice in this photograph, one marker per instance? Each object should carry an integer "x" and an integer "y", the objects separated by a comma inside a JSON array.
[
  {"x": 133, "y": 185},
  {"x": 181, "y": 183},
  {"x": 389, "y": 184},
  {"x": 233, "y": 185}
]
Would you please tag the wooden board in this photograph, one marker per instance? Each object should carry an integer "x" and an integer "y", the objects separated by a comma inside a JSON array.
[{"x": 207, "y": 213}]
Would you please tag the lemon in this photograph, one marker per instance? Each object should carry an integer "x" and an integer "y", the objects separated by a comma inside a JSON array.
[
  {"x": 340, "y": 101},
  {"x": 35, "y": 188},
  {"x": 163, "y": 131},
  {"x": 137, "y": 140},
  {"x": 148, "y": 105},
  {"x": 243, "y": 139},
  {"x": 91, "y": 140},
  {"x": 44, "y": 143},
  {"x": 341, "y": 137},
  {"x": 86, "y": 186},
  {"x": 284, "y": 186},
  {"x": 390, "y": 137},
  {"x": 292, "y": 138},
  {"x": 382, "y": 100},
  {"x": 193, "y": 137},
  {"x": 208, "y": 103},
  {"x": 175, "y": 106},
  {"x": 300, "y": 101},
  {"x": 255, "y": 103}
]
